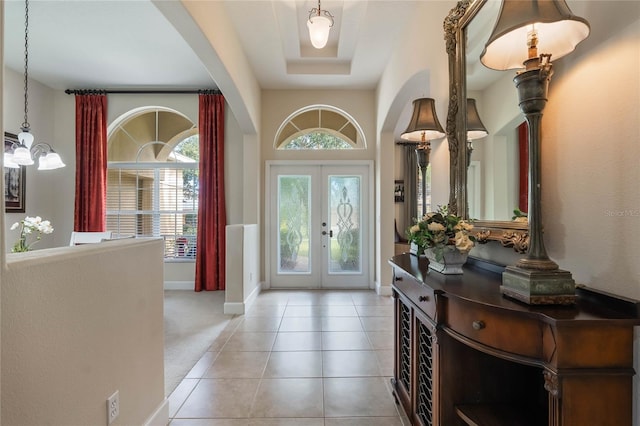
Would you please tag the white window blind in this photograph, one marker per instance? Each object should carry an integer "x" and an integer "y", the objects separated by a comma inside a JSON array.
[{"x": 155, "y": 200}]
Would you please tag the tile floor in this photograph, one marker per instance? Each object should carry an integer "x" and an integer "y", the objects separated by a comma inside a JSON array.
[{"x": 312, "y": 358}]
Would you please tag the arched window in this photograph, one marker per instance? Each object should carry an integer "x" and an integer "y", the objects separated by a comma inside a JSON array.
[
  {"x": 319, "y": 127},
  {"x": 152, "y": 179}
]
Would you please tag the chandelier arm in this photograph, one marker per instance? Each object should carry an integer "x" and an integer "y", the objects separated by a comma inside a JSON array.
[{"x": 41, "y": 148}]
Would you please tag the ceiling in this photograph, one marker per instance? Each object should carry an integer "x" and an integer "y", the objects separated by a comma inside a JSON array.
[{"x": 117, "y": 44}]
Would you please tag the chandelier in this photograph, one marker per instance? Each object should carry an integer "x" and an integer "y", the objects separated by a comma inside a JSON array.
[{"x": 25, "y": 151}]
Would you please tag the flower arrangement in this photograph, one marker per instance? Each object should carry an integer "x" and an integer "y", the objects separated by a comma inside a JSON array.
[
  {"x": 30, "y": 226},
  {"x": 441, "y": 230}
]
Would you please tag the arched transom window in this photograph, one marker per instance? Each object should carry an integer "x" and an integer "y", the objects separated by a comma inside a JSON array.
[
  {"x": 319, "y": 127},
  {"x": 152, "y": 179}
]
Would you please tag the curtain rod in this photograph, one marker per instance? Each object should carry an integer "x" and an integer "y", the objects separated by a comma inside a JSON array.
[{"x": 141, "y": 92}]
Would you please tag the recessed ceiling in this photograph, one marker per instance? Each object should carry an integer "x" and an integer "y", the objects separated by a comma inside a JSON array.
[{"x": 116, "y": 44}]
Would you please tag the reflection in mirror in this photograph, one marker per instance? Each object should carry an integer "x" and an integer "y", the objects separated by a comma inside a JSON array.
[
  {"x": 486, "y": 185},
  {"x": 493, "y": 180}
]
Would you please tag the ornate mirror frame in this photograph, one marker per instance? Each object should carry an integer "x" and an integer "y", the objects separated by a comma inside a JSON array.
[{"x": 508, "y": 233}]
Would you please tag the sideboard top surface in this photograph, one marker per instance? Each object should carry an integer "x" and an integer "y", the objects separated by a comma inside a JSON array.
[{"x": 481, "y": 285}]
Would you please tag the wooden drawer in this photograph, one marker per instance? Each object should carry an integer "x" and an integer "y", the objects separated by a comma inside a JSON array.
[
  {"x": 494, "y": 327},
  {"x": 420, "y": 294}
]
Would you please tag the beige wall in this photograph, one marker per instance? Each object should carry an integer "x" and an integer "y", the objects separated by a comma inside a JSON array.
[
  {"x": 591, "y": 154},
  {"x": 79, "y": 323},
  {"x": 591, "y": 157},
  {"x": 278, "y": 105}
]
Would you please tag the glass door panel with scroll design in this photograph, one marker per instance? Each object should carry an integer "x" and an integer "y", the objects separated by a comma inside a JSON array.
[{"x": 319, "y": 226}]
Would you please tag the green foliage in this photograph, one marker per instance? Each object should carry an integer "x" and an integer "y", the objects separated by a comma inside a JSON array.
[
  {"x": 518, "y": 213},
  {"x": 190, "y": 147},
  {"x": 317, "y": 140}
]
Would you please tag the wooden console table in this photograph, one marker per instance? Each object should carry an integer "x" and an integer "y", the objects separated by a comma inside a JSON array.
[{"x": 466, "y": 355}]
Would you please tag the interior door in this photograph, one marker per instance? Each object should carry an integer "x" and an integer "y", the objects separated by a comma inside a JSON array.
[{"x": 319, "y": 226}]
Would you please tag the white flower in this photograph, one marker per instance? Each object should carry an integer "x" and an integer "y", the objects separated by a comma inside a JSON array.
[
  {"x": 30, "y": 225},
  {"x": 414, "y": 229}
]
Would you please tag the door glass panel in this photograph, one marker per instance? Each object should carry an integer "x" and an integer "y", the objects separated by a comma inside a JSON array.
[
  {"x": 294, "y": 221},
  {"x": 345, "y": 225}
]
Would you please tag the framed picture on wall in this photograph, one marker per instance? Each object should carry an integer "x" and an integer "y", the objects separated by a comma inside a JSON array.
[
  {"x": 399, "y": 191},
  {"x": 15, "y": 181}
]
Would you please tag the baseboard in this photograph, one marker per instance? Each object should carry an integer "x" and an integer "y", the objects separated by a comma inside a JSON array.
[
  {"x": 241, "y": 308},
  {"x": 161, "y": 415},
  {"x": 233, "y": 308},
  {"x": 179, "y": 285},
  {"x": 383, "y": 290},
  {"x": 248, "y": 302}
]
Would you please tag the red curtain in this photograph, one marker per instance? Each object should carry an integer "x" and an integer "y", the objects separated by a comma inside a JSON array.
[
  {"x": 91, "y": 163},
  {"x": 523, "y": 142},
  {"x": 210, "y": 257}
]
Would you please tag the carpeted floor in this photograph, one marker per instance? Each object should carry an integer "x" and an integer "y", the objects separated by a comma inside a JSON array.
[{"x": 192, "y": 321}]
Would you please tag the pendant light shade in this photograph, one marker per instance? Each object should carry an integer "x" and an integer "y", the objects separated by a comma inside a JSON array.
[
  {"x": 8, "y": 161},
  {"x": 50, "y": 161},
  {"x": 424, "y": 124},
  {"x": 558, "y": 32},
  {"x": 22, "y": 156},
  {"x": 319, "y": 25}
]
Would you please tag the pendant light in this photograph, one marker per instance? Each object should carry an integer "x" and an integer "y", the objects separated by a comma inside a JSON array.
[
  {"x": 319, "y": 24},
  {"x": 23, "y": 152}
]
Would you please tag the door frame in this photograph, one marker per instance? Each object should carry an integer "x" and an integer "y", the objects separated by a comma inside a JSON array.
[{"x": 267, "y": 210}]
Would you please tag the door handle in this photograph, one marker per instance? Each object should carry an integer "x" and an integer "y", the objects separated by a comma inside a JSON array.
[{"x": 330, "y": 233}]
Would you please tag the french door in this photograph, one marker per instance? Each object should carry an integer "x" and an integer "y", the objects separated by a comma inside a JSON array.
[{"x": 319, "y": 226}]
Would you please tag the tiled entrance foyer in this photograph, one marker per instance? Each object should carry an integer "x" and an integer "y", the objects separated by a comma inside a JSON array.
[{"x": 297, "y": 358}]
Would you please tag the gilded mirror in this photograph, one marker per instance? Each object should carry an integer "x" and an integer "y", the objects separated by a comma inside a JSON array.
[{"x": 487, "y": 182}]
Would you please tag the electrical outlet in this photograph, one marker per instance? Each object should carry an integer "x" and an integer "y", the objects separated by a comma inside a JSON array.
[{"x": 113, "y": 407}]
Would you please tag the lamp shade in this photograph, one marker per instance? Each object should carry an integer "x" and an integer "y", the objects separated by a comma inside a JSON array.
[
  {"x": 8, "y": 161},
  {"x": 50, "y": 161},
  {"x": 558, "y": 32},
  {"x": 475, "y": 128},
  {"x": 319, "y": 27},
  {"x": 22, "y": 156},
  {"x": 424, "y": 124}
]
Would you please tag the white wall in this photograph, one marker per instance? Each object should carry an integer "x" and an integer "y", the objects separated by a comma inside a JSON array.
[{"x": 79, "y": 323}]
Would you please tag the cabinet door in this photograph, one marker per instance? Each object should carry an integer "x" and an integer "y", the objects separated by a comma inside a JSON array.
[
  {"x": 403, "y": 353},
  {"x": 425, "y": 376}
]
